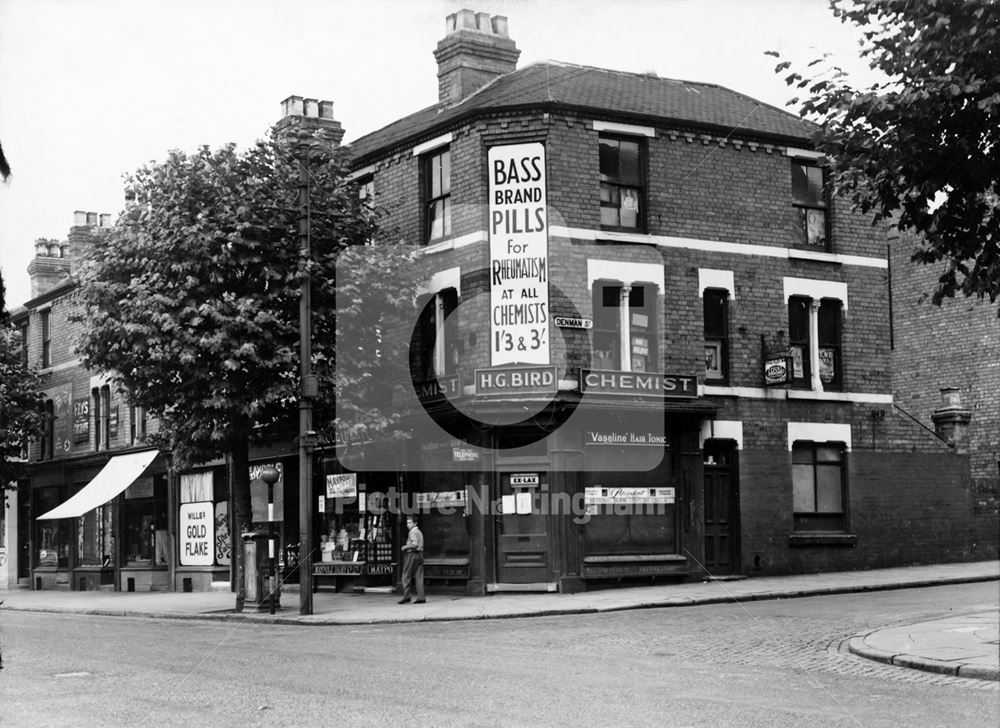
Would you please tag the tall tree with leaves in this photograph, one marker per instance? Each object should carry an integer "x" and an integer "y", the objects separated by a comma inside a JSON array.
[
  {"x": 192, "y": 301},
  {"x": 921, "y": 146},
  {"x": 22, "y": 404}
]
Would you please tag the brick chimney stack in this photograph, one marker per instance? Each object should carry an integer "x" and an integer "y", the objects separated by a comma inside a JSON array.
[
  {"x": 309, "y": 115},
  {"x": 474, "y": 51},
  {"x": 55, "y": 261}
]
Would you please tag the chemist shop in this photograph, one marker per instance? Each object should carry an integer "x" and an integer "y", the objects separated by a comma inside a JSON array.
[
  {"x": 357, "y": 522},
  {"x": 579, "y": 498}
]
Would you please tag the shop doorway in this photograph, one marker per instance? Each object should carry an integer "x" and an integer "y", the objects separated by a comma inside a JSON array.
[
  {"x": 722, "y": 509},
  {"x": 522, "y": 539}
]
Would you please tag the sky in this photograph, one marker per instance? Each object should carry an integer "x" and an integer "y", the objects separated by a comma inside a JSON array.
[{"x": 93, "y": 89}]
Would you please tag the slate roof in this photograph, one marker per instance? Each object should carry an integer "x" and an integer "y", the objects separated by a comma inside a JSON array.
[{"x": 642, "y": 97}]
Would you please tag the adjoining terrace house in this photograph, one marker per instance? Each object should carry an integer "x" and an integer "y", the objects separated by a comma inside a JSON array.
[
  {"x": 650, "y": 346},
  {"x": 669, "y": 342}
]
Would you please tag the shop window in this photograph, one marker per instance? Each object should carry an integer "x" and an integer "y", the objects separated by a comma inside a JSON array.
[
  {"x": 809, "y": 205},
  {"x": 624, "y": 341},
  {"x": 144, "y": 525},
  {"x": 715, "y": 304},
  {"x": 816, "y": 367},
  {"x": 818, "y": 486},
  {"x": 438, "y": 350},
  {"x": 627, "y": 512},
  {"x": 46, "y": 338},
  {"x": 437, "y": 194},
  {"x": 95, "y": 537},
  {"x": 622, "y": 194},
  {"x": 51, "y": 536}
]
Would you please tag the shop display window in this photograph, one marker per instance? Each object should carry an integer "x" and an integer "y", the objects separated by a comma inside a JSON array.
[
  {"x": 144, "y": 523},
  {"x": 53, "y": 537},
  {"x": 440, "y": 507},
  {"x": 357, "y": 523},
  {"x": 95, "y": 537},
  {"x": 628, "y": 512}
]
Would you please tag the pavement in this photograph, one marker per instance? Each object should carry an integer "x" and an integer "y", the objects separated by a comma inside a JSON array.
[{"x": 965, "y": 645}]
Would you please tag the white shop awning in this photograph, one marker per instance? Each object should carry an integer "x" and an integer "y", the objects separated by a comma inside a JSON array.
[{"x": 117, "y": 475}]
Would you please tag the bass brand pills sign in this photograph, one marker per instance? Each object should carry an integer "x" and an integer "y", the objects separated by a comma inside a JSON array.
[{"x": 519, "y": 258}]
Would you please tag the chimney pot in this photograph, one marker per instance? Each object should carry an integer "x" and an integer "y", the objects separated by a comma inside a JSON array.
[
  {"x": 326, "y": 109},
  {"x": 465, "y": 20},
  {"x": 64, "y": 250},
  {"x": 79, "y": 217},
  {"x": 483, "y": 24},
  {"x": 91, "y": 218},
  {"x": 41, "y": 247},
  {"x": 292, "y": 106},
  {"x": 499, "y": 24},
  {"x": 311, "y": 108},
  {"x": 105, "y": 220}
]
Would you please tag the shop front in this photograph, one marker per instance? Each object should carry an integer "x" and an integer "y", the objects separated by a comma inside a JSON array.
[{"x": 102, "y": 526}]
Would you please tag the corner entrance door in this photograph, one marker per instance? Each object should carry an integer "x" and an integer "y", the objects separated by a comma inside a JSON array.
[
  {"x": 722, "y": 536},
  {"x": 522, "y": 536}
]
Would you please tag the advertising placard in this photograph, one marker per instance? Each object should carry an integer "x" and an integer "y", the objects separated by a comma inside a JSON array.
[
  {"x": 519, "y": 282},
  {"x": 196, "y": 531}
]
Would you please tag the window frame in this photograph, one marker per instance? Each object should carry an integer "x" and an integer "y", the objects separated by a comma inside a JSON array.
[
  {"x": 46, "y": 327},
  {"x": 802, "y": 346},
  {"x": 436, "y": 161},
  {"x": 817, "y": 519},
  {"x": 718, "y": 339},
  {"x": 606, "y": 297},
  {"x": 803, "y": 204},
  {"x": 439, "y": 350},
  {"x": 607, "y": 179}
]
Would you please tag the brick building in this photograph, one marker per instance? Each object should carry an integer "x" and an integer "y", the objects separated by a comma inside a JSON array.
[
  {"x": 680, "y": 334},
  {"x": 946, "y": 369},
  {"x": 650, "y": 346}
]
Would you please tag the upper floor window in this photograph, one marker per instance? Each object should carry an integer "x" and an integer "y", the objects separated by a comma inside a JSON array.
[
  {"x": 137, "y": 424},
  {"x": 809, "y": 203},
  {"x": 437, "y": 194},
  {"x": 102, "y": 416},
  {"x": 818, "y": 486},
  {"x": 818, "y": 365},
  {"x": 622, "y": 194},
  {"x": 438, "y": 351},
  {"x": 716, "y": 322},
  {"x": 24, "y": 343},
  {"x": 49, "y": 431},
  {"x": 44, "y": 317},
  {"x": 624, "y": 335}
]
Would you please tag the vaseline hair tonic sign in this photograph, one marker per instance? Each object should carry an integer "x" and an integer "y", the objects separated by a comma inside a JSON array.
[{"x": 519, "y": 257}]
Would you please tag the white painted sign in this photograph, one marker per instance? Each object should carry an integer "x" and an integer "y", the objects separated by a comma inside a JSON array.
[
  {"x": 519, "y": 258},
  {"x": 197, "y": 534},
  {"x": 524, "y": 478},
  {"x": 599, "y": 495},
  {"x": 342, "y": 485}
]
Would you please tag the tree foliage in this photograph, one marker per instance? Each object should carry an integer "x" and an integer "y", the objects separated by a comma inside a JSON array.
[
  {"x": 191, "y": 302},
  {"x": 22, "y": 413},
  {"x": 920, "y": 146}
]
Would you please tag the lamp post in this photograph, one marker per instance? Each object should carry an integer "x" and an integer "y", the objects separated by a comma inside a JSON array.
[
  {"x": 307, "y": 436},
  {"x": 270, "y": 476}
]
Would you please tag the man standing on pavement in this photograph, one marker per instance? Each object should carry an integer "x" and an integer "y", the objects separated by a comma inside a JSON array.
[{"x": 413, "y": 563}]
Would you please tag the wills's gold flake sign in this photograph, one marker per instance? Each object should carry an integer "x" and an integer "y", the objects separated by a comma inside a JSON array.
[{"x": 519, "y": 258}]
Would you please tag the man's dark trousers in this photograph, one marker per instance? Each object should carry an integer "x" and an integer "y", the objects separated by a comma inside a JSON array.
[{"x": 413, "y": 574}]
